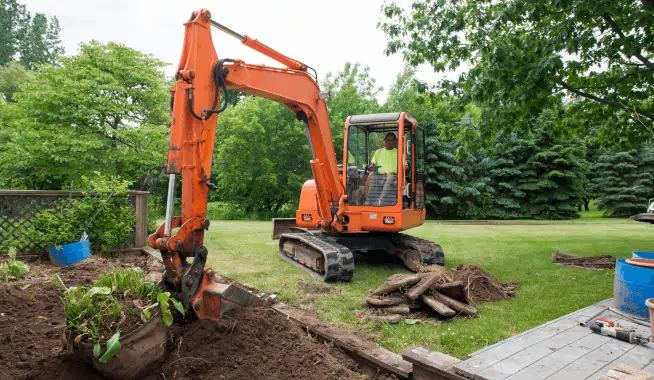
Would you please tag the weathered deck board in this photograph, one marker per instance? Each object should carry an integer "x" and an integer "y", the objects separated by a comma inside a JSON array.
[
  {"x": 476, "y": 364},
  {"x": 638, "y": 357},
  {"x": 560, "y": 349},
  {"x": 605, "y": 303},
  {"x": 533, "y": 354}
]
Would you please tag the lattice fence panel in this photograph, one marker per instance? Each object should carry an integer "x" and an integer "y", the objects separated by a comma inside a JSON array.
[{"x": 17, "y": 208}]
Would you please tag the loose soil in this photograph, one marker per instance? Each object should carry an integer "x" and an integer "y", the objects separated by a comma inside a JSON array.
[
  {"x": 251, "y": 343},
  {"x": 481, "y": 286}
]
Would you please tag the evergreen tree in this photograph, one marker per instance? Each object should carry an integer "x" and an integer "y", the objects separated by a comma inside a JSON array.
[
  {"x": 52, "y": 41},
  {"x": 553, "y": 176},
  {"x": 26, "y": 39},
  {"x": 457, "y": 186},
  {"x": 623, "y": 181},
  {"x": 9, "y": 15},
  {"x": 509, "y": 155}
]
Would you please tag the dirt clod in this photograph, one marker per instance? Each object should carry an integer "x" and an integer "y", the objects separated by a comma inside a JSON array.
[{"x": 481, "y": 286}]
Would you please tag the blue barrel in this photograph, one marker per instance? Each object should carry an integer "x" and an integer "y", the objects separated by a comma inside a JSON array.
[
  {"x": 642, "y": 255},
  {"x": 70, "y": 253},
  {"x": 632, "y": 286}
]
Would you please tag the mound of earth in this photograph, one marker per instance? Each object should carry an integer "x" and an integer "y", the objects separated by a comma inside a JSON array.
[
  {"x": 481, "y": 286},
  {"x": 251, "y": 343}
]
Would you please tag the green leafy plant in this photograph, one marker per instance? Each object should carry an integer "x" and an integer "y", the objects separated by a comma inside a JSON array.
[
  {"x": 97, "y": 314},
  {"x": 13, "y": 269}
]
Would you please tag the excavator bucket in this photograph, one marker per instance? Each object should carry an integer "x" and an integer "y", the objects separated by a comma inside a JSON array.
[
  {"x": 282, "y": 226},
  {"x": 214, "y": 299}
]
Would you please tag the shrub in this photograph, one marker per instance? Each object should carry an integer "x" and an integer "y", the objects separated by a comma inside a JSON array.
[{"x": 104, "y": 213}]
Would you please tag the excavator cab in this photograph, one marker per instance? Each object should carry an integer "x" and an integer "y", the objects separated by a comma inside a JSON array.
[{"x": 384, "y": 157}]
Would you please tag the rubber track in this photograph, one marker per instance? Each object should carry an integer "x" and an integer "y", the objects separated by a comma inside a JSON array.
[
  {"x": 430, "y": 252},
  {"x": 339, "y": 260}
]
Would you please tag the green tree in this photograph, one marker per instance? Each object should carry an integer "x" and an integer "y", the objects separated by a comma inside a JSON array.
[
  {"x": 105, "y": 109},
  {"x": 522, "y": 54},
  {"x": 623, "y": 181},
  {"x": 10, "y": 13},
  {"x": 261, "y": 157},
  {"x": 509, "y": 156},
  {"x": 31, "y": 40},
  {"x": 353, "y": 92},
  {"x": 12, "y": 76},
  {"x": 553, "y": 175}
]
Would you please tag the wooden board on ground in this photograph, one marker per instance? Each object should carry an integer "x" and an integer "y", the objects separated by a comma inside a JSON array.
[
  {"x": 560, "y": 349},
  {"x": 432, "y": 365},
  {"x": 364, "y": 351}
]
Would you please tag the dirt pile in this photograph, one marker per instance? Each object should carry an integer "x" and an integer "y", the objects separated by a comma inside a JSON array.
[
  {"x": 416, "y": 296},
  {"x": 483, "y": 287},
  {"x": 434, "y": 292},
  {"x": 32, "y": 320},
  {"x": 251, "y": 343},
  {"x": 585, "y": 262}
]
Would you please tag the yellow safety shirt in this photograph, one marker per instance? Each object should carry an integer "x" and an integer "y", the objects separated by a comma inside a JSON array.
[{"x": 387, "y": 159}]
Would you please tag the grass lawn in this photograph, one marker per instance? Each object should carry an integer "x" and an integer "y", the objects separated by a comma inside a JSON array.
[{"x": 244, "y": 251}]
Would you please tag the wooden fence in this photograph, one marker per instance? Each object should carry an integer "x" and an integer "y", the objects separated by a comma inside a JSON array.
[{"x": 18, "y": 207}]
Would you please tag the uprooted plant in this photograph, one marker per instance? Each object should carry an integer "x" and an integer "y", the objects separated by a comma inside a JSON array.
[
  {"x": 13, "y": 269},
  {"x": 117, "y": 303}
]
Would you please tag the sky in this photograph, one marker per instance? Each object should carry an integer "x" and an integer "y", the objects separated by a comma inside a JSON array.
[{"x": 323, "y": 34}]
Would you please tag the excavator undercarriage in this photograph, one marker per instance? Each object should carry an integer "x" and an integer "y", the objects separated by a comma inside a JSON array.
[{"x": 330, "y": 258}]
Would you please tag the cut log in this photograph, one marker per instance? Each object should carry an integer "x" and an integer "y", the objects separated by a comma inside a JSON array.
[
  {"x": 438, "y": 306},
  {"x": 454, "y": 304},
  {"x": 454, "y": 289},
  {"x": 403, "y": 310},
  {"x": 397, "y": 282},
  {"x": 373, "y": 300},
  {"x": 427, "y": 280},
  {"x": 393, "y": 318}
]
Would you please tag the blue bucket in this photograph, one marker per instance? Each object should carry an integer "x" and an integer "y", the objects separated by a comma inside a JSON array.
[
  {"x": 70, "y": 253},
  {"x": 642, "y": 255},
  {"x": 633, "y": 285}
]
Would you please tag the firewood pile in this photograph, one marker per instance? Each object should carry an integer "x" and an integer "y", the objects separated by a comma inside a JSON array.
[{"x": 435, "y": 292}]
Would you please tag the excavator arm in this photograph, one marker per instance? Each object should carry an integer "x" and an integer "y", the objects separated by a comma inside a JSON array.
[{"x": 201, "y": 81}]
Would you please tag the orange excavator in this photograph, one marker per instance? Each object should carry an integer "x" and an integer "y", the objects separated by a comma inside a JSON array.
[{"x": 360, "y": 205}]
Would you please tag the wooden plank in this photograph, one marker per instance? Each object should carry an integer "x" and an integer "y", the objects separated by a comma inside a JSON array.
[
  {"x": 530, "y": 355},
  {"x": 355, "y": 346},
  {"x": 509, "y": 347},
  {"x": 639, "y": 357},
  {"x": 554, "y": 362},
  {"x": 430, "y": 365},
  {"x": 585, "y": 311},
  {"x": 589, "y": 363},
  {"x": 141, "y": 226}
]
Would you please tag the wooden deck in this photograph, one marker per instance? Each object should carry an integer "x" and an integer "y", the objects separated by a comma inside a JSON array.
[{"x": 560, "y": 349}]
